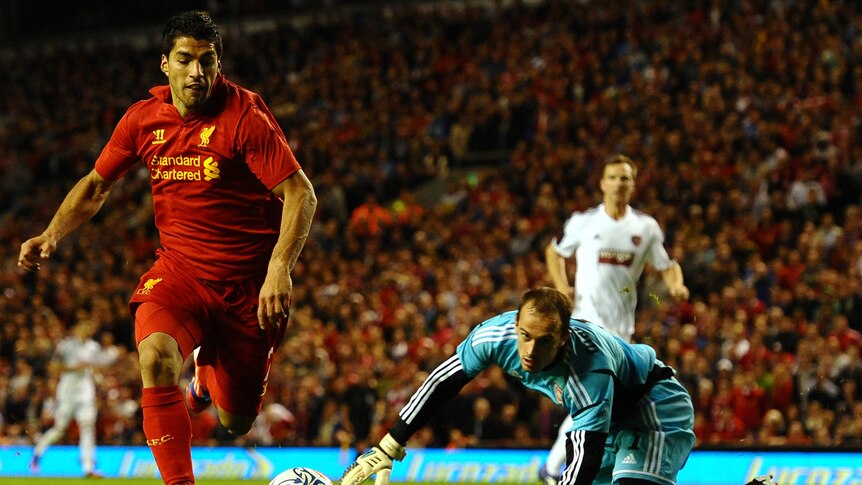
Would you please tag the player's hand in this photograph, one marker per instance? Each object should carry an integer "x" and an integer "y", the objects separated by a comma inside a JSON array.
[
  {"x": 377, "y": 460},
  {"x": 679, "y": 293},
  {"x": 274, "y": 301},
  {"x": 34, "y": 249}
]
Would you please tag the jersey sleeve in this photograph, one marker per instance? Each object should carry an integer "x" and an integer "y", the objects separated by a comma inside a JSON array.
[
  {"x": 119, "y": 154},
  {"x": 583, "y": 464},
  {"x": 594, "y": 393},
  {"x": 477, "y": 350},
  {"x": 567, "y": 243},
  {"x": 657, "y": 255},
  {"x": 264, "y": 146},
  {"x": 591, "y": 383},
  {"x": 441, "y": 385}
]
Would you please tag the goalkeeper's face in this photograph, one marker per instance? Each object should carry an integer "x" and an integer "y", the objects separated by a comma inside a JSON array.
[{"x": 540, "y": 338}]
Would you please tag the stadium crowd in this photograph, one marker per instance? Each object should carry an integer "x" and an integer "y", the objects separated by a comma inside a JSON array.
[{"x": 744, "y": 118}]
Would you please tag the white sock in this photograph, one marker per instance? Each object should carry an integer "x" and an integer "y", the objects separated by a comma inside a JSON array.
[{"x": 87, "y": 446}]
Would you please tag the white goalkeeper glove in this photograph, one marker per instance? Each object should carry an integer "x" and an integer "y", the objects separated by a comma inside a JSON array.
[{"x": 377, "y": 460}]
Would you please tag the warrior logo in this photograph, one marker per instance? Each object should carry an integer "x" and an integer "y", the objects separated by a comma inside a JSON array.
[{"x": 159, "y": 136}]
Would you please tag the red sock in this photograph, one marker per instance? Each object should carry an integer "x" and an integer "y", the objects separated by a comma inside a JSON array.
[{"x": 168, "y": 430}]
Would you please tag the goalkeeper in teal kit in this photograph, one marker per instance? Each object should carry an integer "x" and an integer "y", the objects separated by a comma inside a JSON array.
[{"x": 632, "y": 419}]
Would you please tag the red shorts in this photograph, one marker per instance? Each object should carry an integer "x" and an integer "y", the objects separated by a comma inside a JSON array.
[{"x": 220, "y": 318}]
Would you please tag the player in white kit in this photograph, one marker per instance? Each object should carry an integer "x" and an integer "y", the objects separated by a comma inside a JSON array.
[
  {"x": 611, "y": 244},
  {"x": 76, "y": 356}
]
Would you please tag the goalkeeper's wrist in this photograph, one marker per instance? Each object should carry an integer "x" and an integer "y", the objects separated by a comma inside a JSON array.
[{"x": 392, "y": 448}]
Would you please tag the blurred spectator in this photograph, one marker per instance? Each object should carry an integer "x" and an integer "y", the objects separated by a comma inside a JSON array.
[
  {"x": 773, "y": 431},
  {"x": 370, "y": 219}
]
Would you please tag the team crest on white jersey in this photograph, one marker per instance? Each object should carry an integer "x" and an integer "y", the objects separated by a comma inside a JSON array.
[{"x": 636, "y": 240}]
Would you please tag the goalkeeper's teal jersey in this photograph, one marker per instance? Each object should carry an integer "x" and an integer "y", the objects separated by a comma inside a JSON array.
[{"x": 592, "y": 367}]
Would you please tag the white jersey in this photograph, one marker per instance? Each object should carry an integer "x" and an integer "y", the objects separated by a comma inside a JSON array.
[
  {"x": 79, "y": 385},
  {"x": 610, "y": 256}
]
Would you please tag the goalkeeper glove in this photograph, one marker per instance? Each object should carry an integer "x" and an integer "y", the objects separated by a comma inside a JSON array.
[{"x": 377, "y": 460}]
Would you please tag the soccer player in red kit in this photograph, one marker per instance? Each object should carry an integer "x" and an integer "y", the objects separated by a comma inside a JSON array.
[{"x": 233, "y": 209}]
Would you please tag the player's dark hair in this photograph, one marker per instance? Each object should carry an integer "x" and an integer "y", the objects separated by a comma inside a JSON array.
[
  {"x": 617, "y": 159},
  {"x": 194, "y": 24},
  {"x": 549, "y": 301}
]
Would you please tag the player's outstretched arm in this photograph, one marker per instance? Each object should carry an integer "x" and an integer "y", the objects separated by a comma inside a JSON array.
[
  {"x": 376, "y": 461},
  {"x": 81, "y": 203},
  {"x": 441, "y": 385}
]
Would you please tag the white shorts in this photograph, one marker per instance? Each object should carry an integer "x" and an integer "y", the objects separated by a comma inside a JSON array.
[{"x": 82, "y": 411}]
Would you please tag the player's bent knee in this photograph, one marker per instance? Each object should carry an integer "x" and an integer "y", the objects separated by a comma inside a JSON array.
[
  {"x": 160, "y": 360},
  {"x": 236, "y": 425},
  {"x": 156, "y": 362},
  {"x": 239, "y": 430}
]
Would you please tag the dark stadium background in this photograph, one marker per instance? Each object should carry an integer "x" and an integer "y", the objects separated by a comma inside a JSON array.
[{"x": 22, "y": 20}]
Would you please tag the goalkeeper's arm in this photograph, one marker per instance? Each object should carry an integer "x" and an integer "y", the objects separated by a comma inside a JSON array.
[{"x": 444, "y": 383}]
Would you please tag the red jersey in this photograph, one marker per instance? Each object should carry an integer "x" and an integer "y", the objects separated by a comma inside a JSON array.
[{"x": 211, "y": 175}]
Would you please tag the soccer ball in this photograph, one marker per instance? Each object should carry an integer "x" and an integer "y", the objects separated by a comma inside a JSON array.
[{"x": 300, "y": 476}]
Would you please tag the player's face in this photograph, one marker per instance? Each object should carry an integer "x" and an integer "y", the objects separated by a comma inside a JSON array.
[
  {"x": 191, "y": 67},
  {"x": 618, "y": 183},
  {"x": 540, "y": 338}
]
